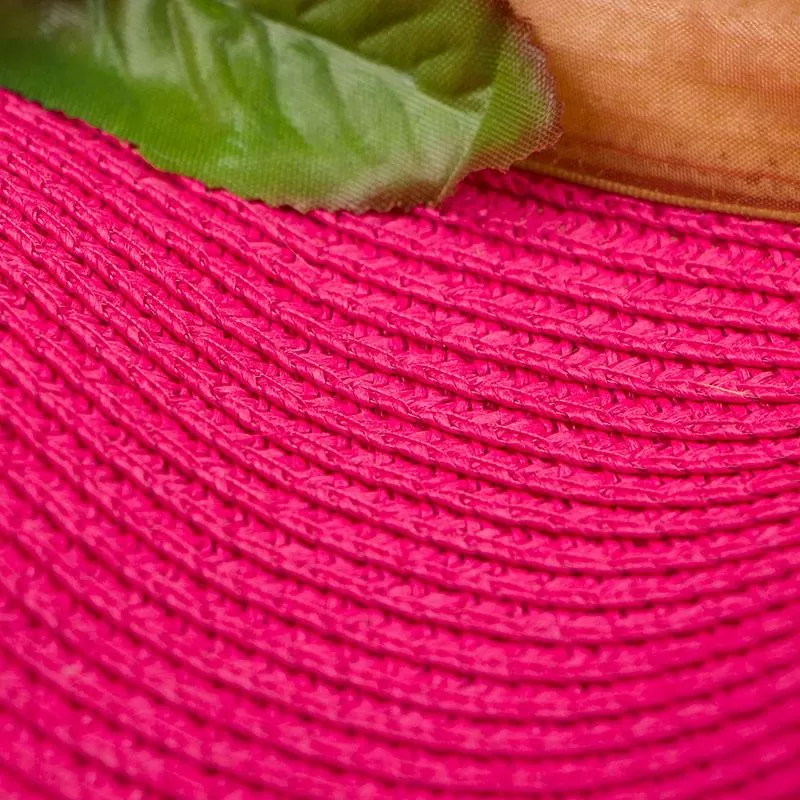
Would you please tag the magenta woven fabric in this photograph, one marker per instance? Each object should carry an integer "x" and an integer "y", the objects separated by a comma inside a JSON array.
[{"x": 497, "y": 501}]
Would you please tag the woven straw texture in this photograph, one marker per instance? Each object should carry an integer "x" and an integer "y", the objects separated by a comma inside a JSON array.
[{"x": 496, "y": 501}]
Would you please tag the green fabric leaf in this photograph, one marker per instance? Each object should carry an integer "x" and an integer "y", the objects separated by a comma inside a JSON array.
[{"x": 312, "y": 103}]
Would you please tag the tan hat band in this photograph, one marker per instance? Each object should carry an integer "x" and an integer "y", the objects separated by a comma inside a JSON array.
[{"x": 694, "y": 102}]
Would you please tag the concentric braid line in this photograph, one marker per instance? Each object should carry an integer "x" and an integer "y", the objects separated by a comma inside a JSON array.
[
  {"x": 499, "y": 351},
  {"x": 719, "y": 505},
  {"x": 71, "y": 358}
]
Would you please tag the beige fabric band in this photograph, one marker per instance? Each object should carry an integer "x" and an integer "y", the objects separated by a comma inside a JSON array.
[{"x": 689, "y": 101}]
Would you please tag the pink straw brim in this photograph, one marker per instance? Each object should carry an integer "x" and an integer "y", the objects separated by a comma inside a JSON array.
[{"x": 496, "y": 501}]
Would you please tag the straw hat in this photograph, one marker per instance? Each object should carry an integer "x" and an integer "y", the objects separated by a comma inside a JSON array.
[{"x": 500, "y": 500}]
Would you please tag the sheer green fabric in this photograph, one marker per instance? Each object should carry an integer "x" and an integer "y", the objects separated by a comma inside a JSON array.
[{"x": 335, "y": 103}]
